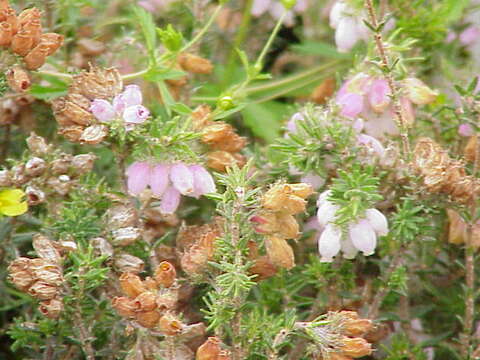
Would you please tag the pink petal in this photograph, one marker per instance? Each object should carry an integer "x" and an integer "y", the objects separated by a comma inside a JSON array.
[
  {"x": 170, "y": 200},
  {"x": 337, "y": 13},
  {"x": 259, "y": 7},
  {"x": 119, "y": 104},
  {"x": 469, "y": 36},
  {"x": 466, "y": 130},
  {"x": 326, "y": 213},
  {"x": 203, "y": 181},
  {"x": 182, "y": 179},
  {"x": 378, "y": 221},
  {"x": 135, "y": 114},
  {"x": 132, "y": 95},
  {"x": 370, "y": 141},
  {"x": 313, "y": 179},
  {"x": 159, "y": 179},
  {"x": 378, "y": 96},
  {"x": 351, "y": 104},
  {"x": 102, "y": 110},
  {"x": 138, "y": 177}
]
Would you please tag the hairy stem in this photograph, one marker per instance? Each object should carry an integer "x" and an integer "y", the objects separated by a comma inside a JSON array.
[
  {"x": 397, "y": 109},
  {"x": 466, "y": 337}
]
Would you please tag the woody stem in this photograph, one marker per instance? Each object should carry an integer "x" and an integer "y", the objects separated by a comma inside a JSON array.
[{"x": 387, "y": 70}]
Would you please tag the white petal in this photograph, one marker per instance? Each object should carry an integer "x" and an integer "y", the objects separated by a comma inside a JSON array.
[
  {"x": 329, "y": 243},
  {"x": 378, "y": 221},
  {"x": 323, "y": 196},
  {"x": 346, "y": 35},
  {"x": 363, "y": 237},
  {"x": 326, "y": 213}
]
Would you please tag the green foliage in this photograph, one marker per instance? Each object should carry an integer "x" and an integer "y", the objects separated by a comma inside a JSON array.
[
  {"x": 408, "y": 221},
  {"x": 402, "y": 349},
  {"x": 354, "y": 191},
  {"x": 3, "y": 84}
]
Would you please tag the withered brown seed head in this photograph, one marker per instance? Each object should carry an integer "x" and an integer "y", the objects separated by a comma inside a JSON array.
[
  {"x": 43, "y": 291},
  {"x": 209, "y": 350},
  {"x": 97, "y": 83},
  {"x": 6, "y": 34},
  {"x": 221, "y": 160},
  {"x": 34, "y": 196},
  {"x": 51, "y": 42},
  {"x": 94, "y": 134},
  {"x": 353, "y": 326},
  {"x": 148, "y": 319},
  {"x": 124, "y": 306},
  {"x": 165, "y": 274},
  {"x": 146, "y": 301},
  {"x": 195, "y": 64},
  {"x": 45, "y": 248},
  {"x": 83, "y": 163},
  {"x": 170, "y": 325},
  {"x": 51, "y": 308},
  {"x": 37, "y": 145},
  {"x": 18, "y": 79},
  {"x": 263, "y": 268},
  {"x": 355, "y": 347},
  {"x": 279, "y": 252},
  {"x": 22, "y": 43},
  {"x": 125, "y": 236},
  {"x": 35, "y": 167},
  {"x": 131, "y": 284},
  {"x": 37, "y": 56}
]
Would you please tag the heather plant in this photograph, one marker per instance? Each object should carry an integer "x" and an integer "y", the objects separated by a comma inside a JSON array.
[{"x": 239, "y": 179}]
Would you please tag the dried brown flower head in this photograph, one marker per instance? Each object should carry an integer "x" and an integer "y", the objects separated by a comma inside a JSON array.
[{"x": 165, "y": 274}]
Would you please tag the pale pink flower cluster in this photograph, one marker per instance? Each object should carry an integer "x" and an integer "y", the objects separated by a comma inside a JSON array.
[
  {"x": 468, "y": 37},
  {"x": 369, "y": 97},
  {"x": 276, "y": 9},
  {"x": 361, "y": 235},
  {"x": 126, "y": 106},
  {"x": 169, "y": 181}
]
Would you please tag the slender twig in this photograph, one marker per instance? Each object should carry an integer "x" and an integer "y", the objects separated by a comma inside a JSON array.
[
  {"x": 55, "y": 74},
  {"x": 466, "y": 337},
  {"x": 374, "y": 308},
  {"x": 397, "y": 108},
  {"x": 85, "y": 337},
  {"x": 199, "y": 35}
]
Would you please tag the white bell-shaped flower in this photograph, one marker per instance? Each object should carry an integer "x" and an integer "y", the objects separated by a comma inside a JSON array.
[{"x": 329, "y": 243}]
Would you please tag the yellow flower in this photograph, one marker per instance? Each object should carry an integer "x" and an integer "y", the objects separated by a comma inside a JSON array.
[{"x": 11, "y": 203}]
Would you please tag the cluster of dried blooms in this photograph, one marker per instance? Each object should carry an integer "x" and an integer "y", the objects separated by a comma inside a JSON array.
[
  {"x": 17, "y": 110},
  {"x": 342, "y": 338},
  {"x": 46, "y": 173},
  {"x": 458, "y": 230},
  {"x": 441, "y": 174},
  {"x": 42, "y": 277},
  {"x": 24, "y": 36},
  {"x": 150, "y": 302},
  {"x": 223, "y": 142},
  {"x": 72, "y": 112},
  {"x": 196, "y": 243},
  {"x": 277, "y": 221}
]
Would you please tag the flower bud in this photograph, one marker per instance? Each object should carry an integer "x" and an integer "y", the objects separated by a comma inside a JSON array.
[
  {"x": 35, "y": 167},
  {"x": 43, "y": 291},
  {"x": 148, "y": 319},
  {"x": 170, "y": 325},
  {"x": 94, "y": 134},
  {"x": 355, "y": 347},
  {"x": 6, "y": 34},
  {"x": 34, "y": 196},
  {"x": 19, "y": 273},
  {"x": 131, "y": 285},
  {"x": 124, "y": 306},
  {"x": 102, "y": 246},
  {"x": 37, "y": 145},
  {"x": 37, "y": 56},
  {"x": 51, "y": 42},
  {"x": 146, "y": 301},
  {"x": 418, "y": 92},
  {"x": 18, "y": 79},
  {"x": 209, "y": 350},
  {"x": 195, "y": 64},
  {"x": 83, "y": 163},
  {"x": 51, "y": 308},
  {"x": 45, "y": 248},
  {"x": 5, "y": 178},
  {"x": 279, "y": 252},
  {"x": 165, "y": 274},
  {"x": 125, "y": 236},
  {"x": 221, "y": 160},
  {"x": 61, "y": 165}
]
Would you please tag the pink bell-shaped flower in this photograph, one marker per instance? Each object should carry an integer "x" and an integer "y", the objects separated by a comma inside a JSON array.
[
  {"x": 203, "y": 181},
  {"x": 138, "y": 175},
  {"x": 329, "y": 243},
  {"x": 363, "y": 236},
  {"x": 170, "y": 200},
  {"x": 378, "y": 221},
  {"x": 159, "y": 179},
  {"x": 102, "y": 110},
  {"x": 182, "y": 178},
  {"x": 379, "y": 95}
]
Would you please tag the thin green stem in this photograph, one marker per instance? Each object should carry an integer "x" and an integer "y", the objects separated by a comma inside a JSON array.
[
  {"x": 55, "y": 74},
  {"x": 272, "y": 37},
  {"x": 203, "y": 30},
  {"x": 134, "y": 75}
]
